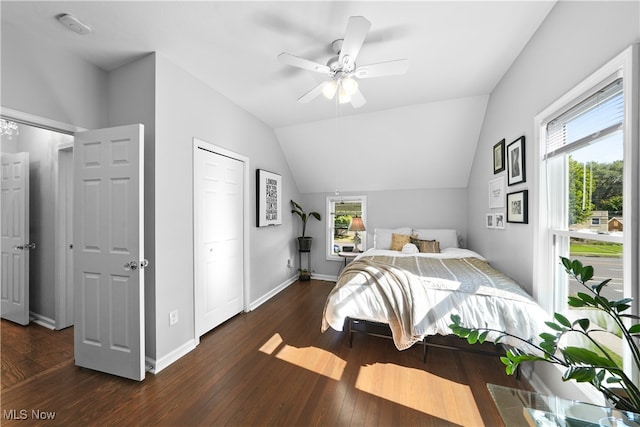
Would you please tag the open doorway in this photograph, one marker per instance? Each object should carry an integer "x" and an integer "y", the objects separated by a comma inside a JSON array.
[
  {"x": 50, "y": 173},
  {"x": 97, "y": 287}
]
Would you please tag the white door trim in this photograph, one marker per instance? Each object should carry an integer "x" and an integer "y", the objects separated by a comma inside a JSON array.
[
  {"x": 246, "y": 220},
  {"x": 63, "y": 256},
  {"x": 39, "y": 121}
]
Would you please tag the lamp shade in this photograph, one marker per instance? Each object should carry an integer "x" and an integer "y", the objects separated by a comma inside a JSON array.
[{"x": 356, "y": 224}]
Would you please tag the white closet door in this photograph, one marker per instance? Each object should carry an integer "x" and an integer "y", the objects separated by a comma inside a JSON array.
[{"x": 219, "y": 216}]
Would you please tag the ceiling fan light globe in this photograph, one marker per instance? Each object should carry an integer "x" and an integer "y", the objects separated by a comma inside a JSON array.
[
  {"x": 350, "y": 85},
  {"x": 329, "y": 89},
  {"x": 343, "y": 96}
]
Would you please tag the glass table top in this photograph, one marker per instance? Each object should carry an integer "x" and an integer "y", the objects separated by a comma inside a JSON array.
[{"x": 527, "y": 408}]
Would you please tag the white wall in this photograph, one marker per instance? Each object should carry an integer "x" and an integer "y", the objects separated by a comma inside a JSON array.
[
  {"x": 47, "y": 82},
  {"x": 427, "y": 208},
  {"x": 187, "y": 108},
  {"x": 575, "y": 40},
  {"x": 131, "y": 99}
]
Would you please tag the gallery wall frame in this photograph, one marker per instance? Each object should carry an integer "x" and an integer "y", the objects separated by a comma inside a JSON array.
[
  {"x": 518, "y": 207},
  {"x": 499, "y": 220},
  {"x": 516, "y": 162},
  {"x": 498, "y": 157},
  {"x": 490, "y": 221},
  {"x": 496, "y": 193},
  {"x": 268, "y": 198}
]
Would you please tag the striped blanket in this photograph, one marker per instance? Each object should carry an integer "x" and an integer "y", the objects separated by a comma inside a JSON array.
[{"x": 416, "y": 296}]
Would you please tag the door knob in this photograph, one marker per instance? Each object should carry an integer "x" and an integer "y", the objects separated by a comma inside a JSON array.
[
  {"x": 26, "y": 246},
  {"x": 131, "y": 265}
]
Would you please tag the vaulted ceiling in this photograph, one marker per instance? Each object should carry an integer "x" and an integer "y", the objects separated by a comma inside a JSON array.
[{"x": 417, "y": 130}]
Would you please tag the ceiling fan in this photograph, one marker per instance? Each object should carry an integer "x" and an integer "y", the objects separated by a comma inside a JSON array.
[{"x": 342, "y": 69}]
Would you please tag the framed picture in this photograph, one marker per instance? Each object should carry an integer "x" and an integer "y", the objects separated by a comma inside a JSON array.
[
  {"x": 516, "y": 161},
  {"x": 518, "y": 207},
  {"x": 498, "y": 157},
  {"x": 489, "y": 222},
  {"x": 269, "y": 195},
  {"x": 498, "y": 220},
  {"x": 496, "y": 193}
]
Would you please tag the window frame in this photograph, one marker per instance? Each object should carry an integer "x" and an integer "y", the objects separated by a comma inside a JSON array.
[
  {"x": 625, "y": 65},
  {"x": 329, "y": 214}
]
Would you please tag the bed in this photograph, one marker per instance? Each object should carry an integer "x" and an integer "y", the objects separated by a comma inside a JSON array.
[{"x": 415, "y": 292}]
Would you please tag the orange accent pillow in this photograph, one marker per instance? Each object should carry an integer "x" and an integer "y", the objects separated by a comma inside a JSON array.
[{"x": 399, "y": 240}]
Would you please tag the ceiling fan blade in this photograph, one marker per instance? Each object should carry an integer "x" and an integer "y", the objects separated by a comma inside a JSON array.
[
  {"x": 312, "y": 94},
  {"x": 357, "y": 99},
  {"x": 296, "y": 61},
  {"x": 357, "y": 30},
  {"x": 399, "y": 66}
]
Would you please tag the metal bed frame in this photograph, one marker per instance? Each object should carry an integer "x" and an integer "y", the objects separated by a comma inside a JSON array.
[{"x": 382, "y": 330}]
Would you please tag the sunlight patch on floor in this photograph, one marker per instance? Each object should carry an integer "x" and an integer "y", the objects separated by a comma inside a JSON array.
[
  {"x": 313, "y": 359},
  {"x": 272, "y": 344},
  {"x": 420, "y": 390}
]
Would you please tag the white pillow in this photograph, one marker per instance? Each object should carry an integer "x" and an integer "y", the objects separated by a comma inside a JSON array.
[
  {"x": 410, "y": 248},
  {"x": 447, "y": 238},
  {"x": 382, "y": 236}
]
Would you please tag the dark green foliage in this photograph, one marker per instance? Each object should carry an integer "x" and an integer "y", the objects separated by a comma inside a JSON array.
[
  {"x": 581, "y": 365},
  {"x": 297, "y": 209}
]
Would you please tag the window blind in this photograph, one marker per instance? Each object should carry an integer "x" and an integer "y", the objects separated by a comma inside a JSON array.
[{"x": 595, "y": 117}]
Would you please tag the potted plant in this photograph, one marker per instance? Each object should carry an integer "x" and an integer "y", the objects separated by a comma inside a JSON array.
[
  {"x": 596, "y": 366},
  {"x": 304, "y": 242},
  {"x": 305, "y": 275}
]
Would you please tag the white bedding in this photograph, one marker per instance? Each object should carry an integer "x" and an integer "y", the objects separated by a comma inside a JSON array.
[{"x": 421, "y": 306}]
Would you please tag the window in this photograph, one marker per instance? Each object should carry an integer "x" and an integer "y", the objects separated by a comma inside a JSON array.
[
  {"x": 340, "y": 213},
  {"x": 585, "y": 166}
]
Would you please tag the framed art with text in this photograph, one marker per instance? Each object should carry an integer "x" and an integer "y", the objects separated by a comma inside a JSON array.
[
  {"x": 496, "y": 193},
  {"x": 269, "y": 198},
  {"x": 516, "y": 162},
  {"x": 518, "y": 207}
]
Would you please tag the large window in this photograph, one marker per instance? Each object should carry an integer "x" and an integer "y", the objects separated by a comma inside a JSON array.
[
  {"x": 342, "y": 233},
  {"x": 586, "y": 168}
]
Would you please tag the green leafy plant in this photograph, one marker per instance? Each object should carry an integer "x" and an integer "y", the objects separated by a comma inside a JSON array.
[
  {"x": 304, "y": 216},
  {"x": 599, "y": 367}
]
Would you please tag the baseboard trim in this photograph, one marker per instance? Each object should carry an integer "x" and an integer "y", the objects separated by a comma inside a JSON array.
[
  {"x": 275, "y": 291},
  {"x": 324, "y": 277},
  {"x": 41, "y": 320},
  {"x": 155, "y": 366}
]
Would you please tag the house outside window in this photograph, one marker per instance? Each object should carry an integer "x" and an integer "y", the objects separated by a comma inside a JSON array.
[
  {"x": 340, "y": 211},
  {"x": 585, "y": 166}
]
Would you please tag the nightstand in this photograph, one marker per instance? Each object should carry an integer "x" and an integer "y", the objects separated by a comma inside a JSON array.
[{"x": 348, "y": 256}]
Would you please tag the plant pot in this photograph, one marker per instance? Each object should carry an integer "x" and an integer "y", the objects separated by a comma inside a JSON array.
[
  {"x": 304, "y": 244},
  {"x": 304, "y": 277}
]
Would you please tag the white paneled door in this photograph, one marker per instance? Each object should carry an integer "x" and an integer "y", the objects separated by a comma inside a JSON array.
[
  {"x": 15, "y": 237},
  {"x": 108, "y": 256},
  {"x": 219, "y": 217}
]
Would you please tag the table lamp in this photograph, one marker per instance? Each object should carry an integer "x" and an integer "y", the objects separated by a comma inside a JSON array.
[{"x": 356, "y": 225}]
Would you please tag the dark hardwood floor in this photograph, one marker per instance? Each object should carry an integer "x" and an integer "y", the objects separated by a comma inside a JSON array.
[{"x": 271, "y": 366}]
